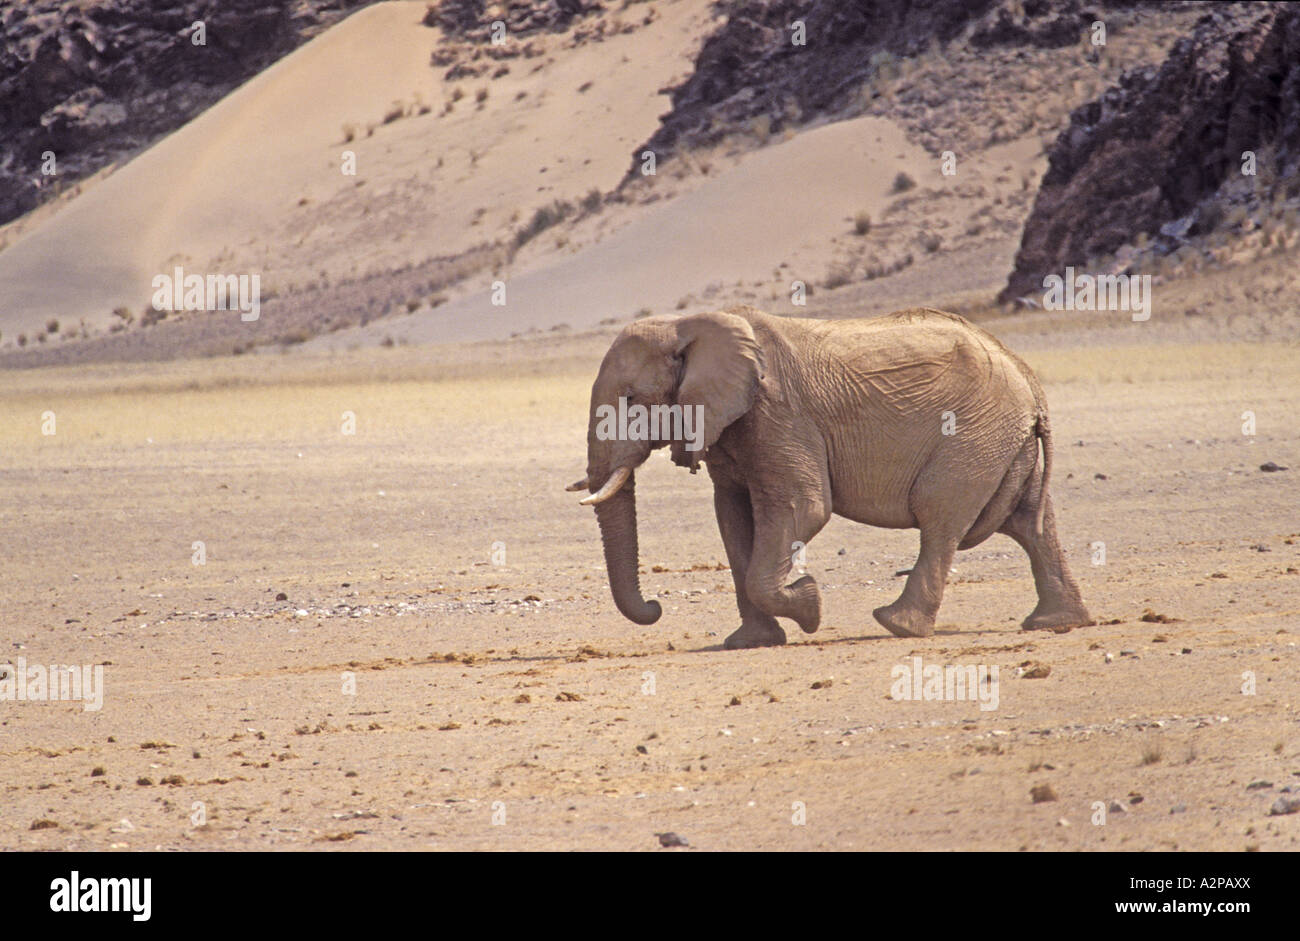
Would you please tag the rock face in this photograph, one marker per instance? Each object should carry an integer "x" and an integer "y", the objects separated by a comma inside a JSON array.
[
  {"x": 751, "y": 66},
  {"x": 472, "y": 19},
  {"x": 1146, "y": 153},
  {"x": 91, "y": 81}
]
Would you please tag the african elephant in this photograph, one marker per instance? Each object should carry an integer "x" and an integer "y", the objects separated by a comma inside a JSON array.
[{"x": 918, "y": 419}]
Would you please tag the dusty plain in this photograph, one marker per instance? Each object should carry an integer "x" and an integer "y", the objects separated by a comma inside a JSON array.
[{"x": 502, "y": 703}]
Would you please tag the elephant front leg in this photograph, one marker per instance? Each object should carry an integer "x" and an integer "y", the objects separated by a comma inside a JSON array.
[
  {"x": 780, "y": 532},
  {"x": 736, "y": 523}
]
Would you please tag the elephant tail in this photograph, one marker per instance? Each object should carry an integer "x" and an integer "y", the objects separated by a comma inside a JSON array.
[{"x": 1043, "y": 431}]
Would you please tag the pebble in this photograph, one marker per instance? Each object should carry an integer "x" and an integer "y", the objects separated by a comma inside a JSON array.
[
  {"x": 671, "y": 839},
  {"x": 1283, "y": 806}
]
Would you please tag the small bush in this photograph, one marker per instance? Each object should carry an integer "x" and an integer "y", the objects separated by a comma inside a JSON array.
[
  {"x": 543, "y": 219},
  {"x": 903, "y": 183},
  {"x": 592, "y": 201},
  {"x": 838, "y": 276},
  {"x": 124, "y": 314},
  {"x": 51, "y": 326},
  {"x": 481, "y": 95},
  {"x": 862, "y": 223},
  {"x": 395, "y": 111}
]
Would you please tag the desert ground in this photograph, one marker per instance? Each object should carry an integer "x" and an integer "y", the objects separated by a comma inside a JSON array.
[
  {"x": 342, "y": 600},
  {"x": 500, "y": 701}
]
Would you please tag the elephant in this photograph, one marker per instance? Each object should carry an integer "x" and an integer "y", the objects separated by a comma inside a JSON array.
[{"x": 915, "y": 420}]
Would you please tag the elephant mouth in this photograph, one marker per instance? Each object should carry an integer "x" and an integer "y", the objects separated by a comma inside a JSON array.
[{"x": 612, "y": 486}]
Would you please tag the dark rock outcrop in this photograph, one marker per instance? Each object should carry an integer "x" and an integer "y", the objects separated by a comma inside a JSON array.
[
  {"x": 1145, "y": 154},
  {"x": 750, "y": 66},
  {"x": 92, "y": 81},
  {"x": 471, "y": 20}
]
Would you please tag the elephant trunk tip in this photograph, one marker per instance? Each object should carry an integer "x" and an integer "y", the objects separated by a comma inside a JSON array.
[{"x": 646, "y": 614}]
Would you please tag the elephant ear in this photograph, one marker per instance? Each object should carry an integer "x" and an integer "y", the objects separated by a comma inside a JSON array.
[{"x": 721, "y": 368}]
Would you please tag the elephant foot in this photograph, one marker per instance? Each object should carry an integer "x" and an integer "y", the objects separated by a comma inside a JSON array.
[
  {"x": 755, "y": 635},
  {"x": 904, "y": 621},
  {"x": 1057, "y": 617},
  {"x": 809, "y": 599}
]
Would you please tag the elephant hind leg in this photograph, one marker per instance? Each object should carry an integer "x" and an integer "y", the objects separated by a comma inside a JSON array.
[
  {"x": 1010, "y": 493},
  {"x": 1060, "y": 605},
  {"x": 913, "y": 614},
  {"x": 945, "y": 514}
]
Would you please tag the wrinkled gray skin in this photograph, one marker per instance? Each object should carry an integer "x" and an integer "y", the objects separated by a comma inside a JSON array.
[{"x": 805, "y": 418}]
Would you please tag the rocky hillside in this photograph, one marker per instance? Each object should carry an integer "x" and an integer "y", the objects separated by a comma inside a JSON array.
[
  {"x": 1155, "y": 165},
  {"x": 93, "y": 80},
  {"x": 751, "y": 68}
]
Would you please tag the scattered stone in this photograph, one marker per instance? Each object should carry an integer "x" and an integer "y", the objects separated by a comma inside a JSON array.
[
  {"x": 1259, "y": 785},
  {"x": 567, "y": 697},
  {"x": 1284, "y": 806},
  {"x": 735, "y": 701},
  {"x": 281, "y": 596},
  {"x": 1178, "y": 809},
  {"x": 823, "y": 684},
  {"x": 1269, "y": 467},
  {"x": 43, "y": 825},
  {"x": 1151, "y": 617},
  {"x": 1033, "y": 670},
  {"x": 671, "y": 839},
  {"x": 1042, "y": 794},
  {"x": 1117, "y": 808}
]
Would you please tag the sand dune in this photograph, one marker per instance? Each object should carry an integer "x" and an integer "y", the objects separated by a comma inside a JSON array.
[
  {"x": 255, "y": 184},
  {"x": 780, "y": 206}
]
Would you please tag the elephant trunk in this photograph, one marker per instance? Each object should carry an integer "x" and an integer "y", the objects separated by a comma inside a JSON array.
[{"x": 617, "y": 519}]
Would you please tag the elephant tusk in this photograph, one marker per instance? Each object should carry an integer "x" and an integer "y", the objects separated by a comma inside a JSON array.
[
  {"x": 612, "y": 486},
  {"x": 578, "y": 485}
]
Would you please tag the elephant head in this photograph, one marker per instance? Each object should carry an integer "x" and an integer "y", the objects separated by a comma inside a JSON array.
[{"x": 709, "y": 367}]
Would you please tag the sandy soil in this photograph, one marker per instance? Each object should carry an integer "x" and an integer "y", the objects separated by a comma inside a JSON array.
[{"x": 500, "y": 700}]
